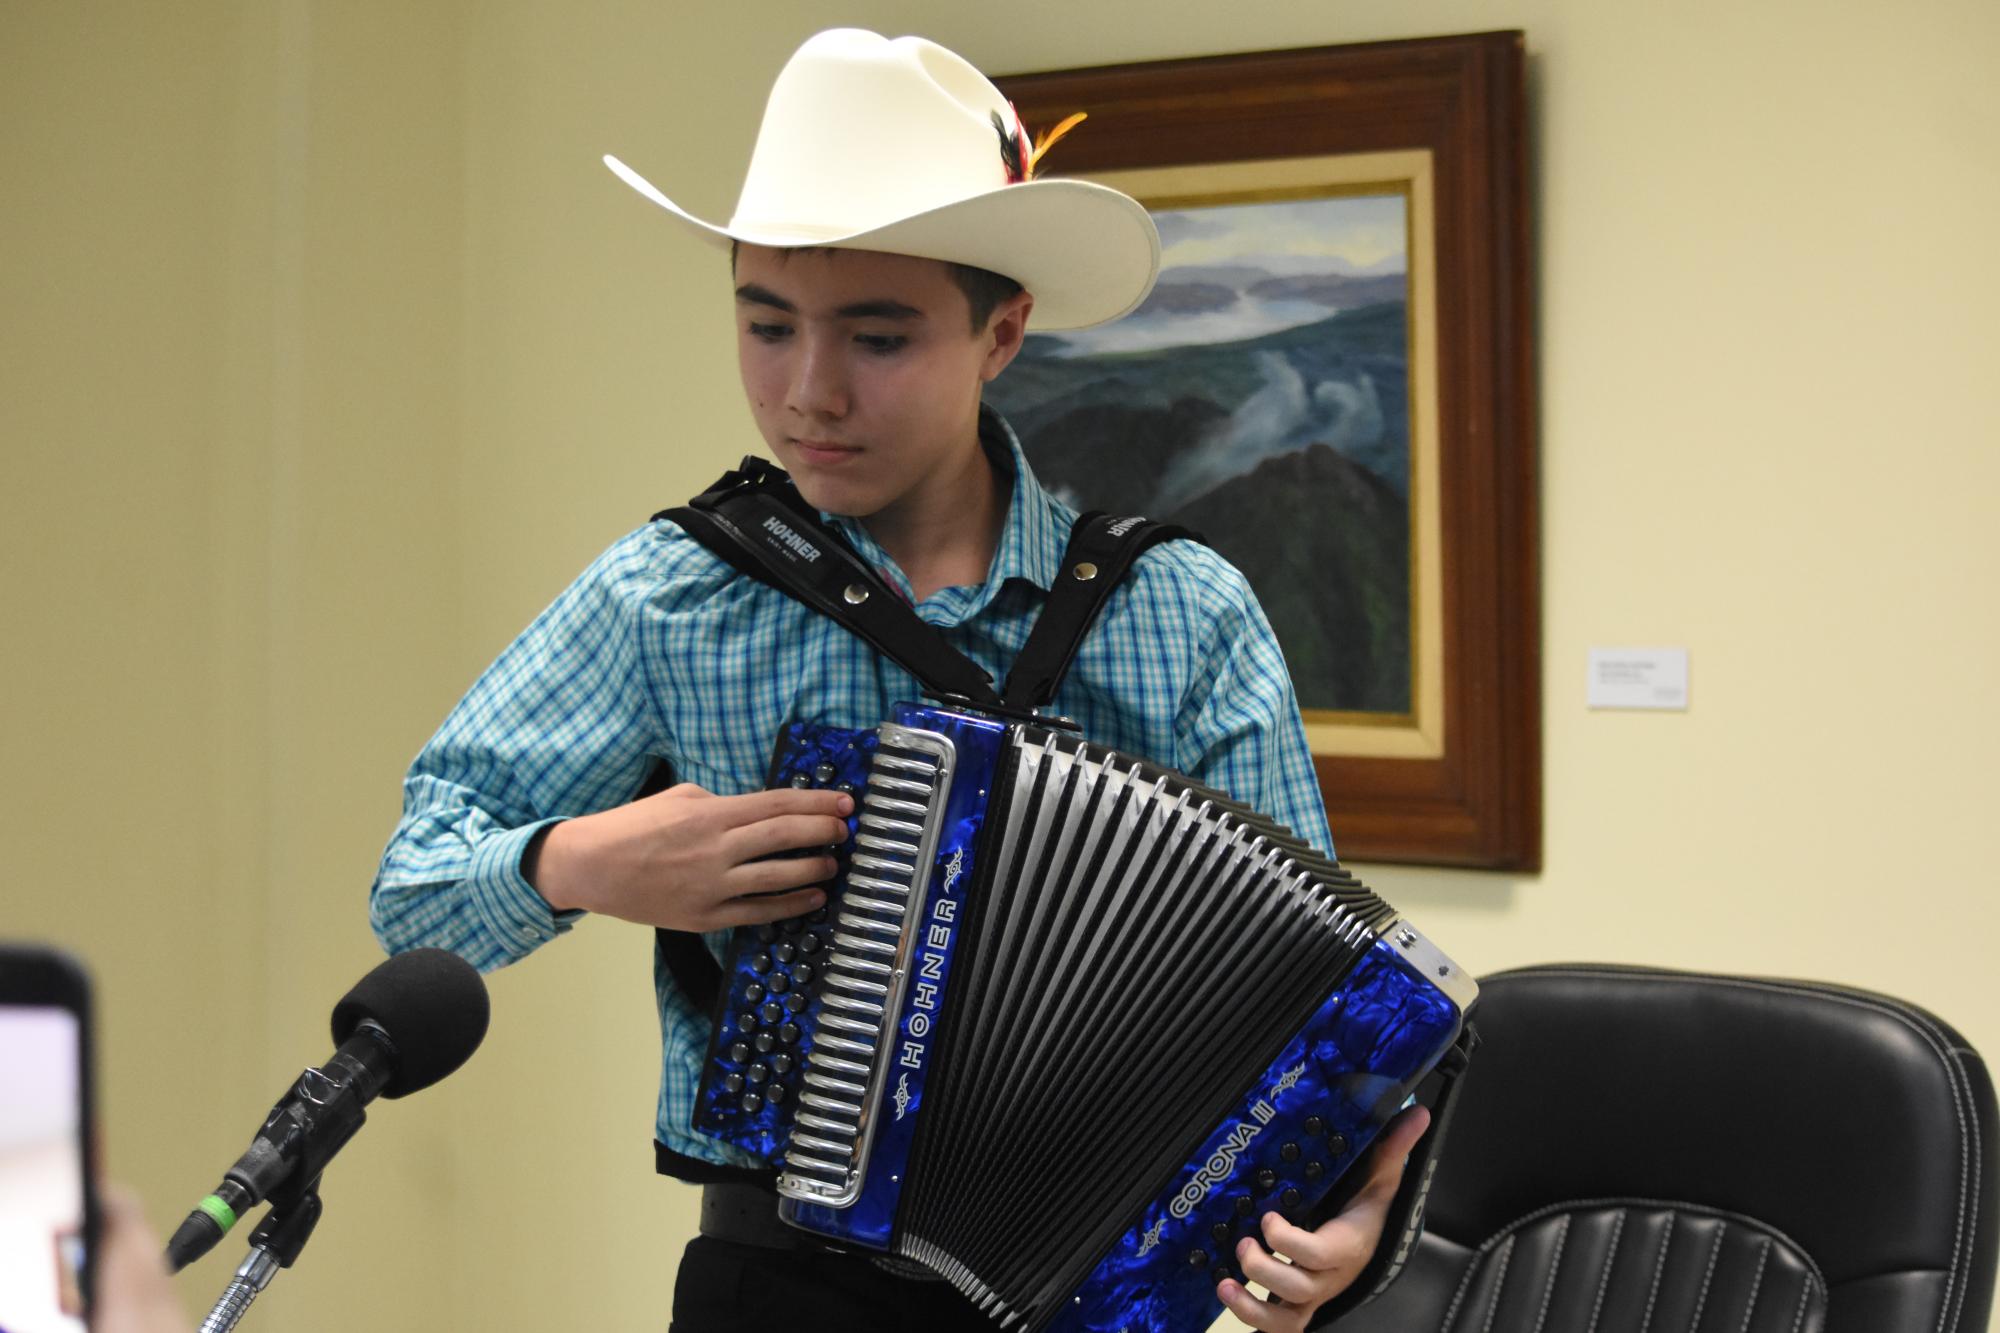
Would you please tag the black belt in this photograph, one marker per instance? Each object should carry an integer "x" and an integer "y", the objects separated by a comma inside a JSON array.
[{"x": 748, "y": 1215}]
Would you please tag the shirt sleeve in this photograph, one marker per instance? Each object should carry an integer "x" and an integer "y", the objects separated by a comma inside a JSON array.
[
  {"x": 559, "y": 725},
  {"x": 1239, "y": 729}
]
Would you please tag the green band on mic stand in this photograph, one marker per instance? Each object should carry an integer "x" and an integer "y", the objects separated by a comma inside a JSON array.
[{"x": 224, "y": 1215}]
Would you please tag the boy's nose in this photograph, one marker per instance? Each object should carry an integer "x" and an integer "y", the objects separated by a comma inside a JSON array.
[{"x": 819, "y": 386}]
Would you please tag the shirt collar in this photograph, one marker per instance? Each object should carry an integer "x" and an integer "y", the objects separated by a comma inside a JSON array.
[{"x": 1031, "y": 540}]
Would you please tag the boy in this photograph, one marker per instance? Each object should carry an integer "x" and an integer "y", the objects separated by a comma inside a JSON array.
[{"x": 888, "y": 195}]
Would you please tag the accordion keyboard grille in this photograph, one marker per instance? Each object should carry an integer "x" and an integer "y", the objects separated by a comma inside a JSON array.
[{"x": 858, "y": 990}]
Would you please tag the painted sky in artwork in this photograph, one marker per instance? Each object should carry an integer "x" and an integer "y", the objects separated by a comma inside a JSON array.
[
  {"x": 1365, "y": 234},
  {"x": 1239, "y": 271}
]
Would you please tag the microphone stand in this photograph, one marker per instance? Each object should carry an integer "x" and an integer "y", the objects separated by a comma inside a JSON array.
[{"x": 273, "y": 1245}]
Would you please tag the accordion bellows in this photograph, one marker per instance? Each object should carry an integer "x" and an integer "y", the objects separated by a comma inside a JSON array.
[{"x": 1078, "y": 1023}]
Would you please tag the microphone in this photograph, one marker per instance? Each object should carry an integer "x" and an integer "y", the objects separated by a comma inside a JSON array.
[{"x": 412, "y": 1020}]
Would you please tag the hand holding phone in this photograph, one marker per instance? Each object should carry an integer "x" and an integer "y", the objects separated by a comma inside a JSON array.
[{"x": 133, "y": 1293}]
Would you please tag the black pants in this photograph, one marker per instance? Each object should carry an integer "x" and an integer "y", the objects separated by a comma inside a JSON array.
[{"x": 724, "y": 1287}]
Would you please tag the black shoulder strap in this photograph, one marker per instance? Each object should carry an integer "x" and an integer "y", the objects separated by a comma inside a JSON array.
[
  {"x": 756, "y": 520},
  {"x": 1101, "y": 550},
  {"x": 1403, "y": 1227}
]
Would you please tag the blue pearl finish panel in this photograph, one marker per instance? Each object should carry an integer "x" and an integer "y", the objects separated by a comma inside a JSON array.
[
  {"x": 870, "y": 1219},
  {"x": 1306, "y": 1121},
  {"x": 764, "y": 1030}
]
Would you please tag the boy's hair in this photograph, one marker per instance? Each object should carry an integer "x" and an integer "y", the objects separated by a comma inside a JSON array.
[{"x": 985, "y": 291}]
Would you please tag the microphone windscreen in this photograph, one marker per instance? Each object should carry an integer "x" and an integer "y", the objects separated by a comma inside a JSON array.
[{"x": 433, "y": 1006}]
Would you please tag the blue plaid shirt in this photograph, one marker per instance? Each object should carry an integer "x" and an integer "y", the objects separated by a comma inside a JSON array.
[{"x": 659, "y": 650}]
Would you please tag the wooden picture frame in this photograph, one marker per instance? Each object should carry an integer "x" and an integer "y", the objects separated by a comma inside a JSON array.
[{"x": 1455, "y": 780}]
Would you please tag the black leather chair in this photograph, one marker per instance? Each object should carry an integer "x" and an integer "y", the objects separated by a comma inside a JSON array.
[{"x": 1640, "y": 1151}]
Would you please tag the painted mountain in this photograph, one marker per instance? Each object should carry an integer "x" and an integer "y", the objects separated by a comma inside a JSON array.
[{"x": 1263, "y": 402}]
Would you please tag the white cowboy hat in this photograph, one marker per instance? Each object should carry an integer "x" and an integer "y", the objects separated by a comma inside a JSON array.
[{"x": 903, "y": 147}]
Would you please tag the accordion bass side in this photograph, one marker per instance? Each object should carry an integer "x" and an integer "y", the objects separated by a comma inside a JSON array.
[{"x": 1068, "y": 1025}]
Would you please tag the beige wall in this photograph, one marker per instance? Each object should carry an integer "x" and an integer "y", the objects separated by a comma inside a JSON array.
[{"x": 328, "y": 353}]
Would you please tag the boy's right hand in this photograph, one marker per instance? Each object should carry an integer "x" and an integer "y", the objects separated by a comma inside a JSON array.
[{"x": 686, "y": 859}]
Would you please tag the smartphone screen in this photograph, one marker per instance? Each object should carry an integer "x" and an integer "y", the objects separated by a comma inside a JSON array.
[{"x": 45, "y": 1196}]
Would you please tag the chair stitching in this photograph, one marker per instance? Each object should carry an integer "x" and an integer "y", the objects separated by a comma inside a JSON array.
[
  {"x": 1604, "y": 1278},
  {"x": 1499, "y": 1286},
  {"x": 1805, "y": 1299},
  {"x": 1714, "y": 1253},
  {"x": 1968, "y": 1127},
  {"x": 1501, "y": 1234},
  {"x": 1555, "y": 1266},
  {"x": 1659, "y": 1268},
  {"x": 1464, "y": 1283},
  {"x": 1756, "y": 1283}
]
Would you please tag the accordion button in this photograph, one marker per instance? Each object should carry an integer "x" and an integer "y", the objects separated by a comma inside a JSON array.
[
  {"x": 732, "y": 1083},
  {"x": 795, "y": 1003},
  {"x": 766, "y": 1043},
  {"x": 789, "y": 1033},
  {"x": 1314, "y": 1170},
  {"x": 823, "y": 775},
  {"x": 760, "y": 963},
  {"x": 767, "y": 932},
  {"x": 739, "y": 1051},
  {"x": 844, "y": 788},
  {"x": 775, "y": 1093},
  {"x": 1291, "y": 1198},
  {"x": 757, "y": 1073},
  {"x": 802, "y": 780},
  {"x": 1243, "y": 1205},
  {"x": 784, "y": 952},
  {"x": 804, "y": 974},
  {"x": 1197, "y": 1258},
  {"x": 809, "y": 944},
  {"x": 1267, "y": 1179},
  {"x": 817, "y": 916},
  {"x": 1220, "y": 1274},
  {"x": 746, "y": 1021},
  {"x": 772, "y": 1011},
  {"x": 780, "y": 983},
  {"x": 1290, "y": 1152},
  {"x": 752, "y": 993},
  {"x": 752, "y": 1103},
  {"x": 1315, "y": 1126},
  {"x": 781, "y": 1064},
  {"x": 1222, "y": 1232},
  {"x": 1336, "y": 1144},
  {"x": 792, "y": 925}
]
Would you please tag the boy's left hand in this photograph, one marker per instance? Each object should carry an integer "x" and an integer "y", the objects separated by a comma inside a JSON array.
[{"x": 1326, "y": 1260}]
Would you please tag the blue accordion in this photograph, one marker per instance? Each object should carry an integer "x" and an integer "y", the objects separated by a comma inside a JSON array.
[{"x": 1068, "y": 1025}]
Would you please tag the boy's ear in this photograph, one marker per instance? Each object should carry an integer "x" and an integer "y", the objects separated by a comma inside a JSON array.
[{"x": 1004, "y": 332}]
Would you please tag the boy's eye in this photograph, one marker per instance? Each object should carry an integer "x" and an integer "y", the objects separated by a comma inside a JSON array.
[
  {"x": 770, "y": 333},
  {"x": 882, "y": 343}
]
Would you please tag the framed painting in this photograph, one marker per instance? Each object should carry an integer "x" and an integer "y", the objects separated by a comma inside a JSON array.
[{"x": 1333, "y": 383}]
